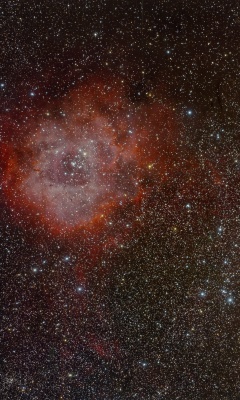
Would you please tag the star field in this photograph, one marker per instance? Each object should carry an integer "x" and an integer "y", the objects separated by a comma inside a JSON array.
[{"x": 119, "y": 191}]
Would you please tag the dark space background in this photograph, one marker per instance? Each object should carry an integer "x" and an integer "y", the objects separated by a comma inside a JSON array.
[{"x": 163, "y": 322}]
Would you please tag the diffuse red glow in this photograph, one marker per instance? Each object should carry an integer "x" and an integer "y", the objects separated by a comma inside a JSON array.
[{"x": 88, "y": 155}]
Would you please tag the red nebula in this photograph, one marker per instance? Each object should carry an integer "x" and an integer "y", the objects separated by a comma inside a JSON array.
[
  {"x": 80, "y": 169},
  {"x": 87, "y": 155}
]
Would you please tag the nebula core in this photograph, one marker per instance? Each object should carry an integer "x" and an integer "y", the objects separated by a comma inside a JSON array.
[{"x": 88, "y": 154}]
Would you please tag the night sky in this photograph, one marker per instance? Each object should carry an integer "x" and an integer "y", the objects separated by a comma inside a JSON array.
[{"x": 120, "y": 200}]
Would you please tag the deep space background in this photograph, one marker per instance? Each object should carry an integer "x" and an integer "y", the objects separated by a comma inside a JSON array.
[{"x": 146, "y": 307}]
